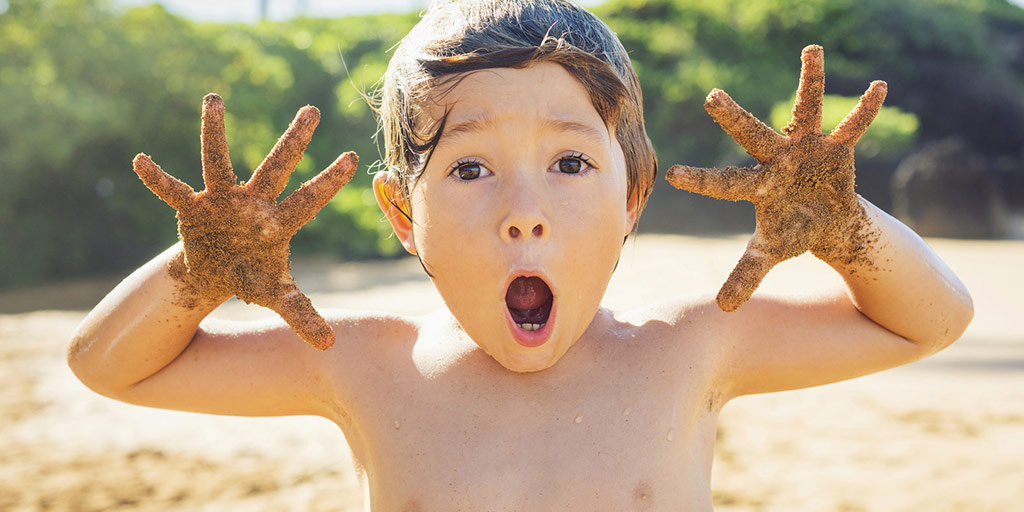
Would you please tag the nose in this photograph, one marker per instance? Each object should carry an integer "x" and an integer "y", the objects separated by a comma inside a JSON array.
[
  {"x": 525, "y": 220},
  {"x": 524, "y": 226}
]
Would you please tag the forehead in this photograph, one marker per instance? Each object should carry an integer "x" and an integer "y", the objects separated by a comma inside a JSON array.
[{"x": 544, "y": 92}]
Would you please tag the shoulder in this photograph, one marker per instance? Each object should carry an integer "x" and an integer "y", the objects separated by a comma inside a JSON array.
[
  {"x": 686, "y": 332},
  {"x": 685, "y": 319},
  {"x": 363, "y": 334}
]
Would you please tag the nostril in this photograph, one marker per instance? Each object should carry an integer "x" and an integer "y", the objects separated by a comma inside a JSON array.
[
  {"x": 538, "y": 230},
  {"x": 513, "y": 231}
]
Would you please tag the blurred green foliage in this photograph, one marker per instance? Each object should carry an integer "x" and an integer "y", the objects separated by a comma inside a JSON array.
[
  {"x": 891, "y": 134},
  {"x": 84, "y": 86}
]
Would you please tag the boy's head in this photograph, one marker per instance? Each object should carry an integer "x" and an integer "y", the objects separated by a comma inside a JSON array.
[
  {"x": 517, "y": 163},
  {"x": 459, "y": 36}
]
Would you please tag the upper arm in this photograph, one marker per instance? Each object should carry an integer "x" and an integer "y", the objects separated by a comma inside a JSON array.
[
  {"x": 253, "y": 369},
  {"x": 775, "y": 344}
]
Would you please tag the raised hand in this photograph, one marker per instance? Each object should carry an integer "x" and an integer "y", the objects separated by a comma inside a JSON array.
[
  {"x": 802, "y": 187},
  {"x": 236, "y": 236}
]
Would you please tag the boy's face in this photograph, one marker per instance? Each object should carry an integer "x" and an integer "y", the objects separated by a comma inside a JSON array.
[{"x": 521, "y": 213}]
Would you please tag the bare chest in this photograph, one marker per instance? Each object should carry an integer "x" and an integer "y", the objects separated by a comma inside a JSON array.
[{"x": 610, "y": 439}]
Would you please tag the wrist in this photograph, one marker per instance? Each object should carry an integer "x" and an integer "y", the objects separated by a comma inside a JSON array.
[
  {"x": 194, "y": 291},
  {"x": 851, "y": 241}
]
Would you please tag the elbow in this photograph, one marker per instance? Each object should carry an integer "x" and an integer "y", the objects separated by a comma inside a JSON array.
[
  {"x": 954, "y": 323},
  {"x": 82, "y": 363},
  {"x": 88, "y": 366}
]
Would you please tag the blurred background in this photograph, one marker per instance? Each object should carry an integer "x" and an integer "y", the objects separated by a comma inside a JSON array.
[{"x": 87, "y": 84}]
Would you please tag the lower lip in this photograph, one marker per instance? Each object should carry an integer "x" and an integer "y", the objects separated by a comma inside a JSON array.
[{"x": 531, "y": 339}]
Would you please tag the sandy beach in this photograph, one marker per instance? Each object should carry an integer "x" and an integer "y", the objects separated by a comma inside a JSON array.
[{"x": 944, "y": 434}]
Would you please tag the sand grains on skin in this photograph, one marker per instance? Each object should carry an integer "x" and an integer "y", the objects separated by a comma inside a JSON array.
[
  {"x": 802, "y": 188},
  {"x": 236, "y": 237}
]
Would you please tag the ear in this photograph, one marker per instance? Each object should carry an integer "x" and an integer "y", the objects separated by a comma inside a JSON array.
[
  {"x": 395, "y": 209},
  {"x": 632, "y": 212}
]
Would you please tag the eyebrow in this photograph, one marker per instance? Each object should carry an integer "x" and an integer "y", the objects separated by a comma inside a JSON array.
[{"x": 478, "y": 124}]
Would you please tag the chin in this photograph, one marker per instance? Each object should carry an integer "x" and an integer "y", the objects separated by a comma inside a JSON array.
[
  {"x": 521, "y": 360},
  {"x": 527, "y": 364}
]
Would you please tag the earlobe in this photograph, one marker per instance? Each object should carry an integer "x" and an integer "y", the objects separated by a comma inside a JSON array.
[{"x": 395, "y": 208}]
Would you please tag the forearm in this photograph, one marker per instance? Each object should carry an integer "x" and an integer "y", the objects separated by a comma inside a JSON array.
[
  {"x": 904, "y": 286},
  {"x": 138, "y": 328}
]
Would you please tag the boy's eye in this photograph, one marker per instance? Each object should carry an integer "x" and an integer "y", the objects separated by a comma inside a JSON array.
[
  {"x": 570, "y": 165},
  {"x": 470, "y": 171}
]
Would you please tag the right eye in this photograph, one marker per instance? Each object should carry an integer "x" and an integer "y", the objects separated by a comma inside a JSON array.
[{"x": 467, "y": 171}]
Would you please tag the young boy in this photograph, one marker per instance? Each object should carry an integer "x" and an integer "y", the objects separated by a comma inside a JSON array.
[{"x": 517, "y": 162}]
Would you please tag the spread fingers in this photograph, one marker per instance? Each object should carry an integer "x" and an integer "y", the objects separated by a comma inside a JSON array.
[
  {"x": 297, "y": 311},
  {"x": 270, "y": 178},
  {"x": 731, "y": 183},
  {"x": 172, "y": 190},
  {"x": 745, "y": 278},
  {"x": 302, "y": 205},
  {"x": 860, "y": 118},
  {"x": 759, "y": 139},
  {"x": 217, "y": 173},
  {"x": 807, "y": 109}
]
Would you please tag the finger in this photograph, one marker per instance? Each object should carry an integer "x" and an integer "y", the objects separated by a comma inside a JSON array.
[
  {"x": 297, "y": 311},
  {"x": 745, "y": 278},
  {"x": 270, "y": 178},
  {"x": 860, "y": 118},
  {"x": 731, "y": 183},
  {"x": 217, "y": 173},
  {"x": 759, "y": 139},
  {"x": 172, "y": 190},
  {"x": 302, "y": 205},
  {"x": 807, "y": 109}
]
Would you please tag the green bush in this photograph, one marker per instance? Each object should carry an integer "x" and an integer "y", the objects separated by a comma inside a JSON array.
[
  {"x": 84, "y": 87},
  {"x": 892, "y": 133}
]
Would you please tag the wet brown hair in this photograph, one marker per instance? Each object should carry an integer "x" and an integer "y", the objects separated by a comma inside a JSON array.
[{"x": 456, "y": 37}]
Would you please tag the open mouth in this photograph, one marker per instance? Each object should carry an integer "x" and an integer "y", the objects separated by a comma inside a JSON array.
[{"x": 529, "y": 301}]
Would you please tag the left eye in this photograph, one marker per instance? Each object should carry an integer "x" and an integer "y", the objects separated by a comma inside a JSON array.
[{"x": 571, "y": 164}]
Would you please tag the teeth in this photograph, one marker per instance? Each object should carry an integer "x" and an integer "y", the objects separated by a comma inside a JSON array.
[{"x": 530, "y": 327}]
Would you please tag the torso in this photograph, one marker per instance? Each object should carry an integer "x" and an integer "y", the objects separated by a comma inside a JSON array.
[{"x": 625, "y": 421}]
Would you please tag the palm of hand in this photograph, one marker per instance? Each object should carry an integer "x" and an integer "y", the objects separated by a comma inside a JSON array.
[
  {"x": 235, "y": 236},
  {"x": 802, "y": 189}
]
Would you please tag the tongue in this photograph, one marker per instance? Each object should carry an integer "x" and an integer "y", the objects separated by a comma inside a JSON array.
[{"x": 527, "y": 293}]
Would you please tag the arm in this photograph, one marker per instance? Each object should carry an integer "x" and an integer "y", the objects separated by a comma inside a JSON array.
[
  {"x": 143, "y": 343},
  {"x": 909, "y": 306},
  {"x": 911, "y": 292},
  {"x": 902, "y": 302},
  {"x": 140, "y": 345}
]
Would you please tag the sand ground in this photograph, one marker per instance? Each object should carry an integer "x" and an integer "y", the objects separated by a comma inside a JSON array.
[{"x": 944, "y": 434}]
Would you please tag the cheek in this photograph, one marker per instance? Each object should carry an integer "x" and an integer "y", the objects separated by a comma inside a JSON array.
[
  {"x": 595, "y": 224},
  {"x": 447, "y": 230}
]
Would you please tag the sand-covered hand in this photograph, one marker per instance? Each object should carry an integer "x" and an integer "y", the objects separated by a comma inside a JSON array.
[
  {"x": 236, "y": 236},
  {"x": 803, "y": 186}
]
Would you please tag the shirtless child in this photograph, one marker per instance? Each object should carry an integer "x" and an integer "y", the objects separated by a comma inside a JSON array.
[{"x": 517, "y": 162}]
